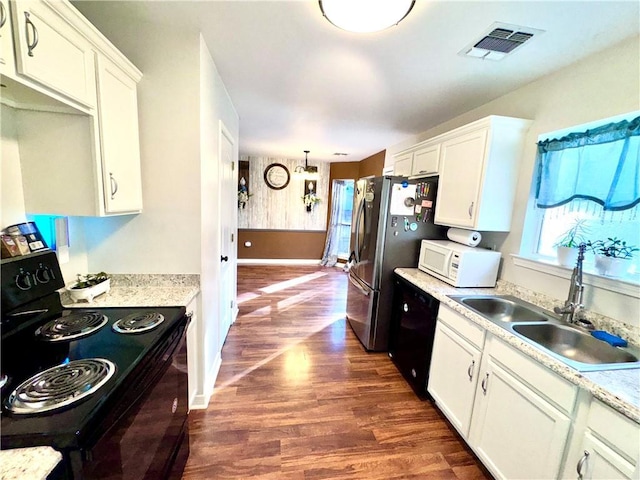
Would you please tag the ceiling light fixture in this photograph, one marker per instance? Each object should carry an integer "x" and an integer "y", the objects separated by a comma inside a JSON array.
[
  {"x": 365, "y": 16},
  {"x": 306, "y": 171}
]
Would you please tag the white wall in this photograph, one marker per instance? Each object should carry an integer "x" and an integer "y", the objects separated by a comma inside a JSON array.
[
  {"x": 215, "y": 106},
  {"x": 601, "y": 86}
]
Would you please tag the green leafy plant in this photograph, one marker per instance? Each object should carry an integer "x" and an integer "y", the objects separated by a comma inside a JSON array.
[
  {"x": 89, "y": 280},
  {"x": 575, "y": 235},
  {"x": 310, "y": 199},
  {"x": 612, "y": 247}
]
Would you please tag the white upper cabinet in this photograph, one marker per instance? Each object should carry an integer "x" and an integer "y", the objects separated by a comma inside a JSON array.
[
  {"x": 53, "y": 53},
  {"x": 119, "y": 139},
  {"x": 80, "y": 154},
  {"x": 421, "y": 160},
  {"x": 479, "y": 166},
  {"x": 7, "y": 62},
  {"x": 402, "y": 164}
]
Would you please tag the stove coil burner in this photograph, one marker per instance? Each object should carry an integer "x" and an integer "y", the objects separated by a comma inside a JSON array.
[
  {"x": 60, "y": 386},
  {"x": 138, "y": 322},
  {"x": 72, "y": 326}
]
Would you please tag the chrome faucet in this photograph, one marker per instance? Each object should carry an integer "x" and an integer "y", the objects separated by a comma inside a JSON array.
[{"x": 573, "y": 308}]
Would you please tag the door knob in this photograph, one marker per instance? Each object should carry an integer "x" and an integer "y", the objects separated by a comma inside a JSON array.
[{"x": 224, "y": 258}]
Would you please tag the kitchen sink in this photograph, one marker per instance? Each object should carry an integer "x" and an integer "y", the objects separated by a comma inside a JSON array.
[
  {"x": 502, "y": 309},
  {"x": 573, "y": 344}
]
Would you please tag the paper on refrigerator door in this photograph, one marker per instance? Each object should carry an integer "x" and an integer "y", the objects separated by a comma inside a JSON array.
[{"x": 402, "y": 199}]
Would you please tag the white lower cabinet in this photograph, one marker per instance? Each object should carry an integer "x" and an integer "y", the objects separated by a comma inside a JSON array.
[
  {"x": 516, "y": 432},
  {"x": 455, "y": 365},
  {"x": 605, "y": 447}
]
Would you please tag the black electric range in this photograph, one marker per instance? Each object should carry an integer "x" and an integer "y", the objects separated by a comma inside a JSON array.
[{"x": 107, "y": 387}]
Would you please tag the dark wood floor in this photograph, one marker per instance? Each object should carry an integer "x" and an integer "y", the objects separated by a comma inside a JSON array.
[{"x": 298, "y": 398}]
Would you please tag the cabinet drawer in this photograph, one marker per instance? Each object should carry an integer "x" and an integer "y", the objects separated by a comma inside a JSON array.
[
  {"x": 463, "y": 326},
  {"x": 549, "y": 385},
  {"x": 615, "y": 429}
]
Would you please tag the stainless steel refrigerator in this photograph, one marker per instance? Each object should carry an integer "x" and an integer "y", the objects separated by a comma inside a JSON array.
[{"x": 390, "y": 217}]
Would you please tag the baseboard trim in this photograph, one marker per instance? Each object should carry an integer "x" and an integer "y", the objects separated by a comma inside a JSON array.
[
  {"x": 201, "y": 401},
  {"x": 277, "y": 261}
]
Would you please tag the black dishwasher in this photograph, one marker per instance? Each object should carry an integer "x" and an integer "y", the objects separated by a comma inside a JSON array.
[{"x": 413, "y": 325}]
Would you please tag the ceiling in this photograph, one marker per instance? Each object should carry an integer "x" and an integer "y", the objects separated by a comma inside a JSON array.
[{"x": 299, "y": 83}]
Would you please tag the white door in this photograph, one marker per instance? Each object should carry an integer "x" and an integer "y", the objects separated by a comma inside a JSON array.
[{"x": 228, "y": 230}]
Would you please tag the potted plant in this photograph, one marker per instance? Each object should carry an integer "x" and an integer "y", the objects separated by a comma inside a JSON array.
[
  {"x": 612, "y": 255},
  {"x": 568, "y": 243},
  {"x": 86, "y": 287}
]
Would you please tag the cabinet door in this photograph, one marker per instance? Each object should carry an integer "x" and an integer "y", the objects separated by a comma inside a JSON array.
[
  {"x": 599, "y": 462},
  {"x": 514, "y": 432},
  {"x": 7, "y": 61},
  {"x": 52, "y": 53},
  {"x": 455, "y": 365},
  {"x": 119, "y": 139},
  {"x": 426, "y": 160},
  {"x": 402, "y": 164},
  {"x": 461, "y": 169}
]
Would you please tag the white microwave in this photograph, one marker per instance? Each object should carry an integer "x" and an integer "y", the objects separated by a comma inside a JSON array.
[{"x": 459, "y": 265}]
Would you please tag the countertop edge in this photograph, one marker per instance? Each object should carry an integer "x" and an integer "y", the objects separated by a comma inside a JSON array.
[
  {"x": 32, "y": 463},
  {"x": 439, "y": 290}
]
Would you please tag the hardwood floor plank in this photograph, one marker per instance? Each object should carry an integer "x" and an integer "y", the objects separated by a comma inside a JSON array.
[{"x": 298, "y": 398}]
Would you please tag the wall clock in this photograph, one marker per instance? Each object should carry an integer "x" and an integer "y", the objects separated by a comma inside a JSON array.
[{"x": 276, "y": 176}]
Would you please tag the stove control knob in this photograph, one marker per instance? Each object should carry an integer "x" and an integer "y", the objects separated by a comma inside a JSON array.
[
  {"x": 44, "y": 274},
  {"x": 23, "y": 280}
]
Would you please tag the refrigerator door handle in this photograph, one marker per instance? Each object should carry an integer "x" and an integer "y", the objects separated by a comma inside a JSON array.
[
  {"x": 357, "y": 248},
  {"x": 358, "y": 286}
]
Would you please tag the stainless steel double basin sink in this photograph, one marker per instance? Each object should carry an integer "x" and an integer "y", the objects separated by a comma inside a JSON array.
[{"x": 571, "y": 345}]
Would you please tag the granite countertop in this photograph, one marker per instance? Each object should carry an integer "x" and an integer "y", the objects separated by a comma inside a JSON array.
[
  {"x": 28, "y": 463},
  {"x": 142, "y": 291},
  {"x": 154, "y": 290},
  {"x": 620, "y": 389}
]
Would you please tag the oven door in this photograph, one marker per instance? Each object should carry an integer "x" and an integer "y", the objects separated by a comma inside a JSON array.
[{"x": 150, "y": 440}]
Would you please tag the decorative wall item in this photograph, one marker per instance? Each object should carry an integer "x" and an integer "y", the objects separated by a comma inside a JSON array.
[
  {"x": 310, "y": 197},
  {"x": 270, "y": 209},
  {"x": 277, "y": 176},
  {"x": 243, "y": 184}
]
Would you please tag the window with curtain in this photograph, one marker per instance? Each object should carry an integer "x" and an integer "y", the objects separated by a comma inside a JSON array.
[
  {"x": 339, "y": 231},
  {"x": 592, "y": 177}
]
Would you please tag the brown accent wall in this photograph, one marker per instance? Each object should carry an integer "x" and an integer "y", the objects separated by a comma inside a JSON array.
[
  {"x": 281, "y": 244},
  {"x": 372, "y": 166}
]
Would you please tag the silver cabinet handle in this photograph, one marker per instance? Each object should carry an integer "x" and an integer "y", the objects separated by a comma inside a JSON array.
[
  {"x": 470, "y": 209},
  {"x": 3, "y": 15},
  {"x": 30, "y": 46},
  {"x": 581, "y": 463},
  {"x": 470, "y": 370},
  {"x": 484, "y": 384},
  {"x": 114, "y": 185}
]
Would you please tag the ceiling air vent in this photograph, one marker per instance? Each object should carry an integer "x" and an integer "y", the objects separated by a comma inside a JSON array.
[{"x": 499, "y": 41}]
